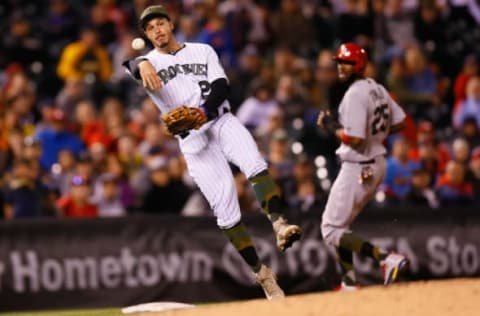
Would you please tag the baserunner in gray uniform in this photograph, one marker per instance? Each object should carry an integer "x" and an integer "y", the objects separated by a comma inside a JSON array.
[{"x": 367, "y": 115}]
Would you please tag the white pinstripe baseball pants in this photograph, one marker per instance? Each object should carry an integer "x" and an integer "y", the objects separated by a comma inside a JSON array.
[{"x": 228, "y": 141}]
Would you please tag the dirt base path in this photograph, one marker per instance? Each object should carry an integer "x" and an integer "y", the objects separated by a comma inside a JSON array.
[{"x": 458, "y": 297}]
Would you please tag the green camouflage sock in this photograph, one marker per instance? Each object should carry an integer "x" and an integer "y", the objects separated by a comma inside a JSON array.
[
  {"x": 268, "y": 194},
  {"x": 345, "y": 258},
  {"x": 242, "y": 241},
  {"x": 354, "y": 243}
]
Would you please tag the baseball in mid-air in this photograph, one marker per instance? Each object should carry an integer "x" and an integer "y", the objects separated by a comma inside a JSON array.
[{"x": 138, "y": 43}]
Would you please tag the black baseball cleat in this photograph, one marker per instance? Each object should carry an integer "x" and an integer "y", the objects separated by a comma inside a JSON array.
[{"x": 286, "y": 234}]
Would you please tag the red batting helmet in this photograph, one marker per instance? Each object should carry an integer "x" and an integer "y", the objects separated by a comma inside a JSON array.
[{"x": 352, "y": 53}]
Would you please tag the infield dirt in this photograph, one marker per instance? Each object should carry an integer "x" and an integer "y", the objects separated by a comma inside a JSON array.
[{"x": 458, "y": 297}]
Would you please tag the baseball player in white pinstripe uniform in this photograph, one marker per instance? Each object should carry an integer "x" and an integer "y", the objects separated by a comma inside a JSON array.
[
  {"x": 367, "y": 115},
  {"x": 178, "y": 74}
]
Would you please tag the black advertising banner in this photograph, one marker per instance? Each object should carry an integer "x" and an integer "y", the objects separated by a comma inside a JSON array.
[{"x": 46, "y": 264}]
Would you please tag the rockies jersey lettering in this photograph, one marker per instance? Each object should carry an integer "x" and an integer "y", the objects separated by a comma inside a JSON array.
[
  {"x": 185, "y": 74},
  {"x": 188, "y": 69}
]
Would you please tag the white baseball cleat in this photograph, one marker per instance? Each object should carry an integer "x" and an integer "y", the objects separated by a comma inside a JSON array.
[
  {"x": 343, "y": 287},
  {"x": 392, "y": 266},
  {"x": 286, "y": 234},
  {"x": 267, "y": 279}
]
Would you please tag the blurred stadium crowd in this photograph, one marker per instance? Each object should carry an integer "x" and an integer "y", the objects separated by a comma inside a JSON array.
[{"x": 78, "y": 138}]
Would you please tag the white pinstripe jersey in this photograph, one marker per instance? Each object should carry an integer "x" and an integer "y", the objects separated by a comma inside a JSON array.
[
  {"x": 186, "y": 75},
  {"x": 367, "y": 111}
]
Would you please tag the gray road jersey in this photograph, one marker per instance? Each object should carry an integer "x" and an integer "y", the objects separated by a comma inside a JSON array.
[{"x": 367, "y": 111}]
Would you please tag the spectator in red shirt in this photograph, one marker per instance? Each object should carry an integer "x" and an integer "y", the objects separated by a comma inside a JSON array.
[
  {"x": 475, "y": 172},
  {"x": 460, "y": 151},
  {"x": 426, "y": 139},
  {"x": 470, "y": 69},
  {"x": 77, "y": 204},
  {"x": 91, "y": 128}
]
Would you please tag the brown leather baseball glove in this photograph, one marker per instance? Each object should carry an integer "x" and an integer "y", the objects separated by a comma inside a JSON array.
[{"x": 183, "y": 119}]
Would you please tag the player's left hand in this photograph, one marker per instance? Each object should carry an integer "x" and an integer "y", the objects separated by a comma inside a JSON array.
[
  {"x": 322, "y": 118},
  {"x": 326, "y": 120},
  {"x": 183, "y": 119}
]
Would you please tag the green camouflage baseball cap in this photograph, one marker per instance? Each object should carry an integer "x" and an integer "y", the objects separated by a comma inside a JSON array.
[{"x": 151, "y": 12}]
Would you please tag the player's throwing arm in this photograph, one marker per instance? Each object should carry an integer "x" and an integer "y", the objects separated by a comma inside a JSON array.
[{"x": 149, "y": 76}]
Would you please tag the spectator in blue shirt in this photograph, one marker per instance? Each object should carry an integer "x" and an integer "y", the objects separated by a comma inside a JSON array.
[
  {"x": 399, "y": 170},
  {"x": 216, "y": 34},
  {"x": 453, "y": 187},
  {"x": 25, "y": 196},
  {"x": 188, "y": 30},
  {"x": 55, "y": 138},
  {"x": 471, "y": 106}
]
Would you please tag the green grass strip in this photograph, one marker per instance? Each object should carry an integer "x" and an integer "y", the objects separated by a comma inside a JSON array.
[{"x": 79, "y": 312}]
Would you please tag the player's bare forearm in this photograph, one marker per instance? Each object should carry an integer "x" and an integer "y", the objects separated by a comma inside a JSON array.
[
  {"x": 397, "y": 127},
  {"x": 143, "y": 69},
  {"x": 149, "y": 75},
  {"x": 355, "y": 142},
  {"x": 339, "y": 133}
]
